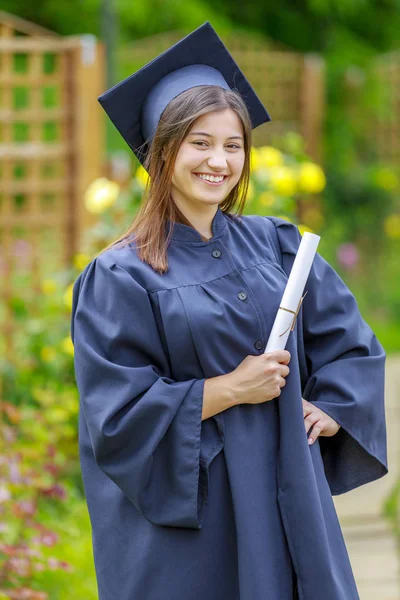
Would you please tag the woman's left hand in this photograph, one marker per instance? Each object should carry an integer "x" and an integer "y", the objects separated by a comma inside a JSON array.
[{"x": 322, "y": 424}]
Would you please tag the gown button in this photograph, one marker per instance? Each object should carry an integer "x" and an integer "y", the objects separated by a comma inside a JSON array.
[
  {"x": 242, "y": 295},
  {"x": 216, "y": 253},
  {"x": 258, "y": 345}
]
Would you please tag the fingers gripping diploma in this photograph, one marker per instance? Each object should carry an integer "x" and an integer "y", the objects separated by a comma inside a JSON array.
[{"x": 321, "y": 423}]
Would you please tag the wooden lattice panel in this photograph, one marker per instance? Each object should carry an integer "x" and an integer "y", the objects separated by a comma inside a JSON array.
[
  {"x": 33, "y": 147},
  {"x": 50, "y": 149},
  {"x": 386, "y": 120}
]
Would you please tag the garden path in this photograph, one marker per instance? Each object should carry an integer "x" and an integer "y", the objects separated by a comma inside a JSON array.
[{"x": 369, "y": 538}]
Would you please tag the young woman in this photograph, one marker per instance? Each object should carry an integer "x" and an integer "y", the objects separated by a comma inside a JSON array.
[{"x": 199, "y": 474}]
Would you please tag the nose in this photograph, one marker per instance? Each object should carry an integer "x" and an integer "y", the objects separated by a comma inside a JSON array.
[{"x": 217, "y": 160}]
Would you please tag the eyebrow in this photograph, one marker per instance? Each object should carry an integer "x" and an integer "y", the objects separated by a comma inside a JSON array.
[{"x": 232, "y": 137}]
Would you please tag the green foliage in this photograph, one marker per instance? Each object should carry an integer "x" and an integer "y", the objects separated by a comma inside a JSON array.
[
  {"x": 282, "y": 177},
  {"x": 135, "y": 19},
  {"x": 42, "y": 504},
  {"x": 74, "y": 547},
  {"x": 39, "y": 498},
  {"x": 391, "y": 510}
]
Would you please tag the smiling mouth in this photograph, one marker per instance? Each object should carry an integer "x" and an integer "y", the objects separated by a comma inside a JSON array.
[{"x": 215, "y": 183}]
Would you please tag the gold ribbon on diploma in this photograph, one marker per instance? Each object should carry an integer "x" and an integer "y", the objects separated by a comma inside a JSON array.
[{"x": 291, "y": 327}]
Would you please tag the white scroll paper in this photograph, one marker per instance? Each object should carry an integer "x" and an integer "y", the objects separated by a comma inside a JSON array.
[{"x": 292, "y": 296}]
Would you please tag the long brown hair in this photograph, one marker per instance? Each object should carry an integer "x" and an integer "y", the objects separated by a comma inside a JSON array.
[{"x": 149, "y": 224}]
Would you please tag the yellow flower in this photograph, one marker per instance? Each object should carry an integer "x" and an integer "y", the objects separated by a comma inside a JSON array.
[
  {"x": 68, "y": 296},
  {"x": 255, "y": 162},
  {"x": 101, "y": 194},
  {"x": 37, "y": 393},
  {"x": 43, "y": 397},
  {"x": 71, "y": 403},
  {"x": 250, "y": 191},
  {"x": 283, "y": 181},
  {"x": 48, "y": 286},
  {"x": 270, "y": 157},
  {"x": 47, "y": 353},
  {"x": 142, "y": 176},
  {"x": 311, "y": 178},
  {"x": 267, "y": 199},
  {"x": 386, "y": 179},
  {"x": 392, "y": 226},
  {"x": 67, "y": 346},
  {"x": 69, "y": 431},
  {"x": 302, "y": 228},
  {"x": 57, "y": 414},
  {"x": 80, "y": 261}
]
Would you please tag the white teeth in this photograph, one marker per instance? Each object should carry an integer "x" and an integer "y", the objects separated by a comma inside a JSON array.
[{"x": 211, "y": 178}]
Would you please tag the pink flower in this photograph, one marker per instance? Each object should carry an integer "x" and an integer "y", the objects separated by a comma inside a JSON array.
[
  {"x": 22, "y": 250},
  {"x": 14, "y": 473},
  {"x": 51, "y": 450},
  {"x": 49, "y": 539},
  {"x": 8, "y": 433},
  {"x": 25, "y": 593},
  {"x": 52, "y": 468},
  {"x": 348, "y": 255},
  {"x": 55, "y": 491},
  {"x": 28, "y": 508},
  {"x": 20, "y": 566},
  {"x": 65, "y": 566},
  {"x": 54, "y": 563},
  {"x": 4, "y": 493}
]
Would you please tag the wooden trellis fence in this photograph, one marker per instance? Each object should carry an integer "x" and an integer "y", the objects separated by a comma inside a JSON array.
[
  {"x": 386, "y": 121},
  {"x": 51, "y": 147}
]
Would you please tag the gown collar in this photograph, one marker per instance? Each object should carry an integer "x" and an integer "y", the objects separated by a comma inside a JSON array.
[{"x": 186, "y": 233}]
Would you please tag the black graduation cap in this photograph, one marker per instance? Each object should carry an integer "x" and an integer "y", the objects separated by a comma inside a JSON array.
[{"x": 135, "y": 104}]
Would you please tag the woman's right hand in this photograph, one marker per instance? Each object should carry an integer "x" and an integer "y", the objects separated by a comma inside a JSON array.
[{"x": 260, "y": 378}]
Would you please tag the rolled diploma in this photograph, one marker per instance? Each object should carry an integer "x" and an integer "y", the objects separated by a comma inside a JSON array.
[{"x": 293, "y": 292}]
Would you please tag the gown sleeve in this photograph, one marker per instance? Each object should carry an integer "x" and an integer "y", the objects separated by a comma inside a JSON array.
[
  {"x": 345, "y": 366},
  {"x": 144, "y": 428}
]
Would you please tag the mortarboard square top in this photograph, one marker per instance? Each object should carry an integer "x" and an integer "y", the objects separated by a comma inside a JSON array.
[{"x": 135, "y": 104}]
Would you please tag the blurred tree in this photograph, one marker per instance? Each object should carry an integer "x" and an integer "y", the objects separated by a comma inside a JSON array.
[
  {"x": 312, "y": 25},
  {"x": 137, "y": 19},
  {"x": 326, "y": 26},
  {"x": 65, "y": 17},
  {"x": 109, "y": 33}
]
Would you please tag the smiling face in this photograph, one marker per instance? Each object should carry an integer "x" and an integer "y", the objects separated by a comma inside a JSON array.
[{"x": 209, "y": 162}]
